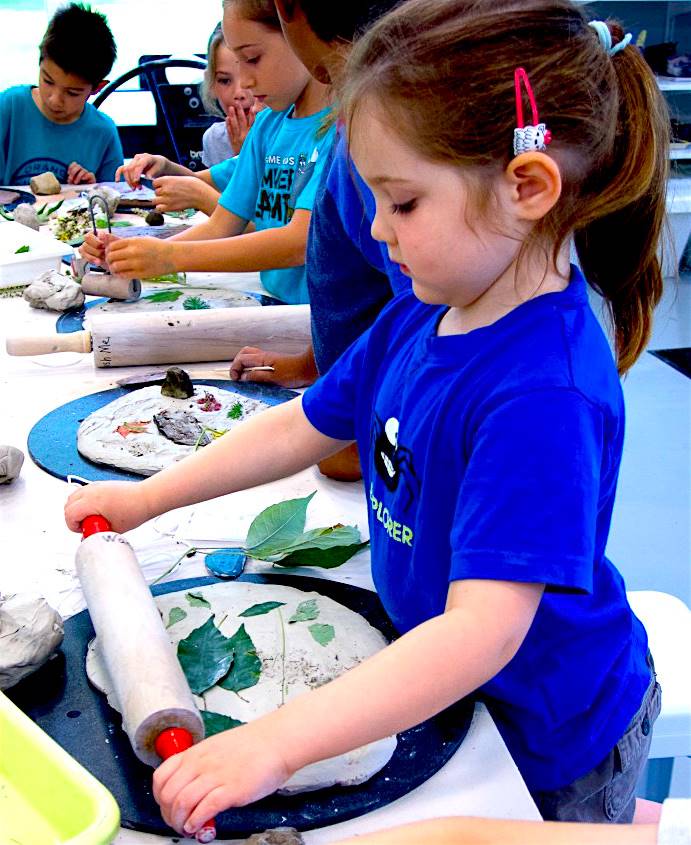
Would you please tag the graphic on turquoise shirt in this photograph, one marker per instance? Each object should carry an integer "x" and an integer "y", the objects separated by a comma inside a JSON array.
[{"x": 282, "y": 185}]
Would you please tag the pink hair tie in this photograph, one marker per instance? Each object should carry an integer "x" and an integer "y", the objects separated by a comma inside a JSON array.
[{"x": 535, "y": 136}]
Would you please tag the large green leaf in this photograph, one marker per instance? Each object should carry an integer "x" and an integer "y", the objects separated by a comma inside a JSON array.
[
  {"x": 205, "y": 656},
  {"x": 164, "y": 296},
  {"x": 326, "y": 538},
  {"x": 260, "y": 609},
  {"x": 215, "y": 723},
  {"x": 277, "y": 527},
  {"x": 324, "y": 558},
  {"x": 246, "y": 667}
]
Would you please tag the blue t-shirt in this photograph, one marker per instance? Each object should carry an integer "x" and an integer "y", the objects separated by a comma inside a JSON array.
[
  {"x": 278, "y": 171},
  {"x": 222, "y": 172},
  {"x": 495, "y": 454},
  {"x": 349, "y": 275},
  {"x": 30, "y": 144}
]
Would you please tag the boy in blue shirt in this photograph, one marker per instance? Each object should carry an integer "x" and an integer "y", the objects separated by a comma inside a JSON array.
[{"x": 51, "y": 127}]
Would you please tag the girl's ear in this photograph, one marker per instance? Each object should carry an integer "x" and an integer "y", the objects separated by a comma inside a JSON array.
[{"x": 534, "y": 182}]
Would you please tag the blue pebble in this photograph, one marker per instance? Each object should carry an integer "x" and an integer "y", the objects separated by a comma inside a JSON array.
[{"x": 227, "y": 563}]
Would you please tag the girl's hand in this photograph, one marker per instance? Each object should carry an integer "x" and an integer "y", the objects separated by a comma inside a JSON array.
[
  {"x": 289, "y": 370},
  {"x": 140, "y": 258},
  {"x": 143, "y": 164},
  {"x": 123, "y": 503},
  {"x": 94, "y": 247},
  {"x": 78, "y": 175},
  {"x": 230, "y": 769},
  {"x": 238, "y": 124},
  {"x": 176, "y": 193}
]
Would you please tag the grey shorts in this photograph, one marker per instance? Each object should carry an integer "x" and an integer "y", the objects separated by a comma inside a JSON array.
[{"x": 607, "y": 792}]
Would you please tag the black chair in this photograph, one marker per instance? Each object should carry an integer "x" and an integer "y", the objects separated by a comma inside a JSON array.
[{"x": 180, "y": 117}]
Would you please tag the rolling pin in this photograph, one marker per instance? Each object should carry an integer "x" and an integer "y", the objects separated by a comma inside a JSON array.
[
  {"x": 176, "y": 337},
  {"x": 158, "y": 711},
  {"x": 104, "y": 284}
]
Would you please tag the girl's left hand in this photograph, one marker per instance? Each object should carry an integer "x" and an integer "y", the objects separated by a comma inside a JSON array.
[
  {"x": 230, "y": 769},
  {"x": 140, "y": 258},
  {"x": 78, "y": 175},
  {"x": 238, "y": 124}
]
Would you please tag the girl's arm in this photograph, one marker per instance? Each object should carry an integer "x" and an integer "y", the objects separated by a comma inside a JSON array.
[
  {"x": 274, "y": 444},
  {"x": 415, "y": 677},
  {"x": 210, "y": 247}
]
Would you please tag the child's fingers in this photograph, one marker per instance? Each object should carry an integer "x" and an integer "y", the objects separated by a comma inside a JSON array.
[{"x": 248, "y": 356}]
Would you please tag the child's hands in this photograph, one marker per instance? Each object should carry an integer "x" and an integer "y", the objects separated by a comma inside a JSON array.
[
  {"x": 238, "y": 124},
  {"x": 140, "y": 258},
  {"x": 123, "y": 503},
  {"x": 289, "y": 370},
  {"x": 176, "y": 193},
  {"x": 94, "y": 247},
  {"x": 143, "y": 164},
  {"x": 230, "y": 769},
  {"x": 78, "y": 175}
]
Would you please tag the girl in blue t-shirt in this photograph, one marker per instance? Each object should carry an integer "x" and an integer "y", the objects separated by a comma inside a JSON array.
[
  {"x": 486, "y": 405},
  {"x": 274, "y": 181}
]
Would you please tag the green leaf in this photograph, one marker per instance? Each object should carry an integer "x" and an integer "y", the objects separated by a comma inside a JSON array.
[
  {"x": 260, "y": 609},
  {"x": 306, "y": 611},
  {"x": 236, "y": 411},
  {"x": 164, "y": 296},
  {"x": 195, "y": 303},
  {"x": 197, "y": 600},
  {"x": 324, "y": 558},
  {"x": 215, "y": 723},
  {"x": 246, "y": 666},
  {"x": 21, "y": 249},
  {"x": 323, "y": 634},
  {"x": 277, "y": 527},
  {"x": 177, "y": 614},
  {"x": 114, "y": 224},
  {"x": 326, "y": 538},
  {"x": 174, "y": 278},
  {"x": 205, "y": 656}
]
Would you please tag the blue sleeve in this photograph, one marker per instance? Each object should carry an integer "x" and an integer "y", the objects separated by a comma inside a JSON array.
[
  {"x": 239, "y": 197},
  {"x": 331, "y": 402},
  {"x": 308, "y": 192},
  {"x": 112, "y": 158},
  {"x": 528, "y": 505},
  {"x": 222, "y": 173}
]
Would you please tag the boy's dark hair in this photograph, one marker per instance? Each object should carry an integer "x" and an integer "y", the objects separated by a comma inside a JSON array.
[
  {"x": 80, "y": 42},
  {"x": 343, "y": 21}
]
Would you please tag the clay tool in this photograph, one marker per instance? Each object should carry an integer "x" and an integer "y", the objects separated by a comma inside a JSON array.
[
  {"x": 159, "y": 715},
  {"x": 177, "y": 337}
]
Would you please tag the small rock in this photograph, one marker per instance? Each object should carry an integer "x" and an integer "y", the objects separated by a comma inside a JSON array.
[
  {"x": 54, "y": 292},
  {"x": 276, "y": 836},
  {"x": 45, "y": 183},
  {"x": 154, "y": 218},
  {"x": 177, "y": 384},
  {"x": 182, "y": 428},
  {"x": 11, "y": 460},
  {"x": 109, "y": 195},
  {"x": 25, "y": 213}
]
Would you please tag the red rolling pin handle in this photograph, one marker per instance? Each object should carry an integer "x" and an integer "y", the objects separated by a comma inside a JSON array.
[
  {"x": 173, "y": 741},
  {"x": 94, "y": 524}
]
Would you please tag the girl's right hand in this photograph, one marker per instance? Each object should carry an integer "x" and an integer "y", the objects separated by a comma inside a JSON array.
[
  {"x": 94, "y": 247},
  {"x": 238, "y": 124},
  {"x": 122, "y": 503},
  {"x": 143, "y": 164}
]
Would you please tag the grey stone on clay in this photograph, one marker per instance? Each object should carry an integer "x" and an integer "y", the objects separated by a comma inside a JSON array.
[
  {"x": 30, "y": 631},
  {"x": 26, "y": 215},
  {"x": 11, "y": 460},
  {"x": 276, "y": 836},
  {"x": 45, "y": 183},
  {"x": 54, "y": 292}
]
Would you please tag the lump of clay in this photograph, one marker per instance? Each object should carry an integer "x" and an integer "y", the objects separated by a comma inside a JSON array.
[
  {"x": 110, "y": 196},
  {"x": 26, "y": 215},
  {"x": 30, "y": 631},
  {"x": 276, "y": 836},
  {"x": 154, "y": 218},
  {"x": 54, "y": 292},
  {"x": 45, "y": 183},
  {"x": 177, "y": 384},
  {"x": 11, "y": 460}
]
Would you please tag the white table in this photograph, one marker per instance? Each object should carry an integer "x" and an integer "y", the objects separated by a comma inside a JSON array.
[{"x": 38, "y": 555}]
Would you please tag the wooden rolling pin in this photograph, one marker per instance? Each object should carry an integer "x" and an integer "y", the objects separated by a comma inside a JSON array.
[{"x": 177, "y": 337}]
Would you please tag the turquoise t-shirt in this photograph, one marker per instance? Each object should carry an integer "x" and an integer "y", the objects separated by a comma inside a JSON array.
[
  {"x": 222, "y": 173},
  {"x": 31, "y": 144},
  {"x": 277, "y": 172}
]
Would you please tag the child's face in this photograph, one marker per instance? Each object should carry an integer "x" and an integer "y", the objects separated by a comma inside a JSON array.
[
  {"x": 226, "y": 85},
  {"x": 268, "y": 67},
  {"x": 61, "y": 96},
  {"x": 424, "y": 217}
]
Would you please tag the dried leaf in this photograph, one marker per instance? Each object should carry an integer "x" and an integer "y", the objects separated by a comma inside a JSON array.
[
  {"x": 197, "y": 600},
  {"x": 246, "y": 666},
  {"x": 323, "y": 634},
  {"x": 215, "y": 723},
  {"x": 177, "y": 614},
  {"x": 205, "y": 656},
  {"x": 260, "y": 609},
  {"x": 138, "y": 427},
  {"x": 306, "y": 611}
]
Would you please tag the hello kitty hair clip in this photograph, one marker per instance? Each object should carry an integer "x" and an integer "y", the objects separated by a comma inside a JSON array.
[{"x": 533, "y": 137}]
